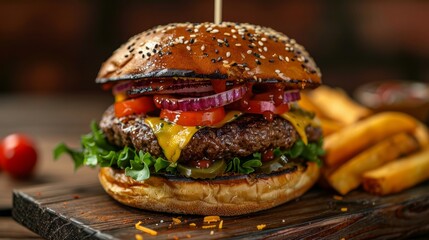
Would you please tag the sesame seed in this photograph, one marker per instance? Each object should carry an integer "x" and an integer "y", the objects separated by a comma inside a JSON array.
[
  {"x": 216, "y": 51},
  {"x": 263, "y": 39},
  {"x": 281, "y": 58},
  {"x": 214, "y": 31},
  {"x": 247, "y": 69},
  {"x": 234, "y": 36},
  {"x": 233, "y": 30},
  {"x": 259, "y": 49},
  {"x": 260, "y": 43},
  {"x": 287, "y": 59},
  {"x": 228, "y": 54},
  {"x": 219, "y": 59},
  {"x": 238, "y": 44},
  {"x": 227, "y": 34},
  {"x": 192, "y": 35},
  {"x": 277, "y": 71},
  {"x": 192, "y": 40},
  {"x": 148, "y": 54},
  {"x": 262, "y": 57},
  {"x": 265, "y": 49},
  {"x": 203, "y": 47},
  {"x": 225, "y": 62},
  {"x": 188, "y": 47},
  {"x": 249, "y": 51},
  {"x": 219, "y": 40},
  {"x": 213, "y": 60}
]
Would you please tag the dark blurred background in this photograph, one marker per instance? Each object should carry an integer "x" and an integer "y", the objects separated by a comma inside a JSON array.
[{"x": 58, "y": 46}]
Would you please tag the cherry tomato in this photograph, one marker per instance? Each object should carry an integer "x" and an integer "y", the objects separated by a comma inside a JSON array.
[
  {"x": 18, "y": 155},
  {"x": 194, "y": 118},
  {"x": 134, "y": 106}
]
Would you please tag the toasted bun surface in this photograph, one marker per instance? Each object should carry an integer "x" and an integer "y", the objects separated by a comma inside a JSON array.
[
  {"x": 224, "y": 197},
  {"x": 230, "y": 51}
]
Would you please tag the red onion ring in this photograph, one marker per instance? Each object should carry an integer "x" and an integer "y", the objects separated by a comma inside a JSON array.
[
  {"x": 201, "y": 103},
  {"x": 122, "y": 87}
]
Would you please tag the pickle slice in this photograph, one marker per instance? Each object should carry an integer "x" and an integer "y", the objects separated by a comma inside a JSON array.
[{"x": 216, "y": 169}]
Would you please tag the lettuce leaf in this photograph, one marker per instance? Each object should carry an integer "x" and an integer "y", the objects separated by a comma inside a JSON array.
[
  {"x": 96, "y": 151},
  {"x": 311, "y": 152}
]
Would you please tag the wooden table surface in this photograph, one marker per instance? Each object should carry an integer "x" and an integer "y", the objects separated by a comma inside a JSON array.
[{"x": 48, "y": 120}]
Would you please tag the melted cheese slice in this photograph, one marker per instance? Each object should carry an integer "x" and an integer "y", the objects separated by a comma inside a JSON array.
[
  {"x": 173, "y": 138},
  {"x": 299, "y": 121}
]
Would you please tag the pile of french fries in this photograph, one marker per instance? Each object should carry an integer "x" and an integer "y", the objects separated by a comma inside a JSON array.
[{"x": 384, "y": 152}]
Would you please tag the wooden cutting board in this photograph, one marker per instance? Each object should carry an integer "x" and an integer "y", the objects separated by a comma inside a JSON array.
[{"x": 82, "y": 210}]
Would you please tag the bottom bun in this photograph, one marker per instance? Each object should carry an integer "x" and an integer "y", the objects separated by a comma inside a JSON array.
[{"x": 223, "y": 196}]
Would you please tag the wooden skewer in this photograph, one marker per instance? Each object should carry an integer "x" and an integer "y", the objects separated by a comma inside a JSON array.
[{"x": 218, "y": 11}]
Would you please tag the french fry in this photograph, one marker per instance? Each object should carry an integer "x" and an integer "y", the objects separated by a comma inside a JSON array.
[
  {"x": 398, "y": 175},
  {"x": 346, "y": 143},
  {"x": 422, "y": 135},
  {"x": 349, "y": 175},
  {"x": 336, "y": 105},
  {"x": 306, "y": 103},
  {"x": 330, "y": 126}
]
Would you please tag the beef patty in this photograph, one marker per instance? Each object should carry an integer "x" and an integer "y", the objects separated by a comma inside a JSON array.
[{"x": 240, "y": 138}]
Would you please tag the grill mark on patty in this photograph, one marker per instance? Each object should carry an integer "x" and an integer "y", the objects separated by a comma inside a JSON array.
[{"x": 240, "y": 138}]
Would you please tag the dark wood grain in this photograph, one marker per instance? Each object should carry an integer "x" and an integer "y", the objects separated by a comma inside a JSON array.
[{"x": 83, "y": 211}]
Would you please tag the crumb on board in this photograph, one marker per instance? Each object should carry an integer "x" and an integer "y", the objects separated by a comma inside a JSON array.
[
  {"x": 192, "y": 224},
  {"x": 176, "y": 220},
  {"x": 208, "y": 226},
  {"x": 337, "y": 197},
  {"x": 221, "y": 224},
  {"x": 210, "y": 219},
  {"x": 261, "y": 226},
  {"x": 344, "y": 209},
  {"x": 211, "y": 232},
  {"x": 145, "y": 229},
  {"x": 188, "y": 235},
  {"x": 139, "y": 237}
]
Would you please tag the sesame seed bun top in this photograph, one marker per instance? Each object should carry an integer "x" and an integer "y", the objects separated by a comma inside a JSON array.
[{"x": 230, "y": 51}]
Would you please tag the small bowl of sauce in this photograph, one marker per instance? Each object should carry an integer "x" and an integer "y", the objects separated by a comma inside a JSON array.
[{"x": 402, "y": 96}]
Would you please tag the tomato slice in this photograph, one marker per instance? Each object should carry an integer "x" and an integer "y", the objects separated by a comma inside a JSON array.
[
  {"x": 260, "y": 107},
  {"x": 194, "y": 118},
  {"x": 134, "y": 106}
]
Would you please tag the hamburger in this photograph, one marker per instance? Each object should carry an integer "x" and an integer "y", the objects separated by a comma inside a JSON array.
[{"x": 205, "y": 120}]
